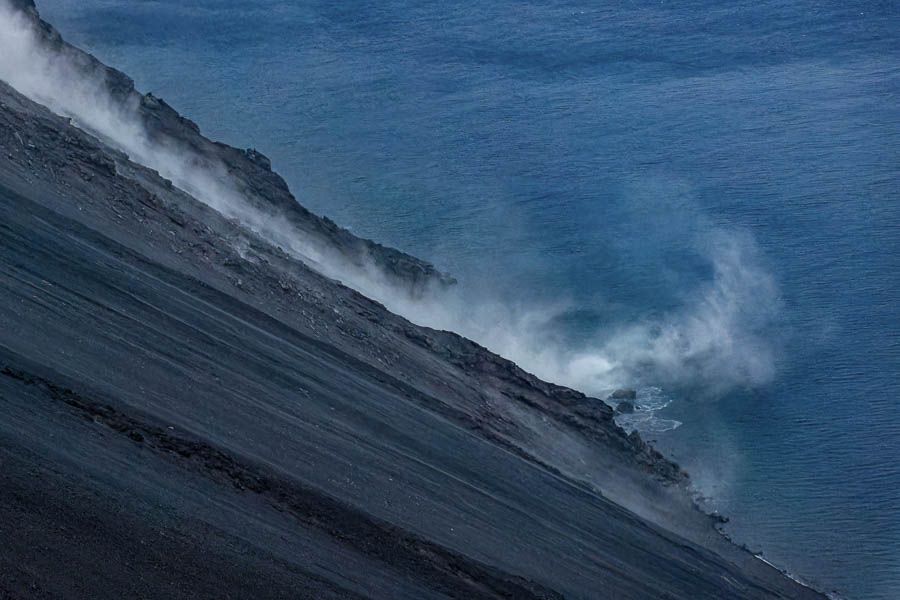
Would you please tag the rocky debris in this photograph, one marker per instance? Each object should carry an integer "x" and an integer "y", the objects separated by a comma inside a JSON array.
[
  {"x": 258, "y": 158},
  {"x": 623, "y": 394},
  {"x": 625, "y": 407}
]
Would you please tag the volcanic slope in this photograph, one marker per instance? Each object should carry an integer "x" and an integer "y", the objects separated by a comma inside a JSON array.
[{"x": 189, "y": 412}]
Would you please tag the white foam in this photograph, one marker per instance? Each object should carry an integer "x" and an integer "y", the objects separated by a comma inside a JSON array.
[
  {"x": 786, "y": 573},
  {"x": 648, "y": 402}
]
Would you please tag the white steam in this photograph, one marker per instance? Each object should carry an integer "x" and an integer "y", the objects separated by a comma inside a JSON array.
[{"x": 716, "y": 340}]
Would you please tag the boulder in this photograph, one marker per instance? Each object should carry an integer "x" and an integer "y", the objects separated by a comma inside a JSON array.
[{"x": 624, "y": 407}]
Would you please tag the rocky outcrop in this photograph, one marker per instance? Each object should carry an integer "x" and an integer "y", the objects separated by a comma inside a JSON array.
[{"x": 625, "y": 407}]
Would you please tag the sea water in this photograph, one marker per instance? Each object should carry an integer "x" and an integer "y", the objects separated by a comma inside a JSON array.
[{"x": 701, "y": 200}]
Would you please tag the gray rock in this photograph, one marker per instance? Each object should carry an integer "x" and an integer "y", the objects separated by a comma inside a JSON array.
[{"x": 624, "y": 407}]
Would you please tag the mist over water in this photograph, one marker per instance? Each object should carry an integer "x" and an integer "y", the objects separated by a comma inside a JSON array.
[{"x": 693, "y": 200}]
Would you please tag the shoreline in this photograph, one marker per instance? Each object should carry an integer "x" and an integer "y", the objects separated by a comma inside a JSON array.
[{"x": 830, "y": 595}]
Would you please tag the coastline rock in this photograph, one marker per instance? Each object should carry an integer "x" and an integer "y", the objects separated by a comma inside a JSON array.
[
  {"x": 623, "y": 394},
  {"x": 625, "y": 407}
]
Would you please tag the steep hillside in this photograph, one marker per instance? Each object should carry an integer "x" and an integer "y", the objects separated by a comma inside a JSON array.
[{"x": 193, "y": 411}]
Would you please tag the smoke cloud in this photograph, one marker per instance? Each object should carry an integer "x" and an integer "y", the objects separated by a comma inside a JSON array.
[{"x": 716, "y": 341}]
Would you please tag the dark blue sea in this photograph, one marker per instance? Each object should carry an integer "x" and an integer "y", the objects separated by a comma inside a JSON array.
[{"x": 694, "y": 198}]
